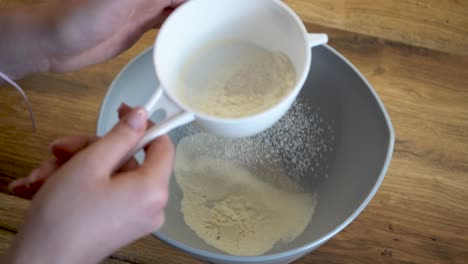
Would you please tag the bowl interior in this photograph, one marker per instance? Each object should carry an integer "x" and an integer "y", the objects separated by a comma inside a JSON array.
[
  {"x": 361, "y": 147},
  {"x": 361, "y": 140}
]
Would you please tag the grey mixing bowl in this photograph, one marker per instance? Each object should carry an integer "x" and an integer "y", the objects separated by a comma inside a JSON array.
[
  {"x": 362, "y": 149},
  {"x": 361, "y": 154}
]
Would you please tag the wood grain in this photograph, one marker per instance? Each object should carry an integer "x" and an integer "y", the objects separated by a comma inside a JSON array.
[
  {"x": 420, "y": 213},
  {"x": 433, "y": 24}
]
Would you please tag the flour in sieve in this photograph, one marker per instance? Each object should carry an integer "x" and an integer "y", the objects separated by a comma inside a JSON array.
[{"x": 234, "y": 79}]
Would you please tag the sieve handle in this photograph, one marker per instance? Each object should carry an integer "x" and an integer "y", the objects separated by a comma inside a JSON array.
[
  {"x": 175, "y": 117},
  {"x": 317, "y": 39}
]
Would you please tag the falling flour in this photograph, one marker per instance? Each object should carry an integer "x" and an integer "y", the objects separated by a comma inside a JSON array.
[
  {"x": 244, "y": 196},
  {"x": 234, "y": 79}
]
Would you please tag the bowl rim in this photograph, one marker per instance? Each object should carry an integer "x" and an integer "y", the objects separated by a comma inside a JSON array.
[{"x": 309, "y": 246}]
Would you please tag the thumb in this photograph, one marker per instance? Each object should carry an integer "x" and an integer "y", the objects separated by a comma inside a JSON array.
[{"x": 112, "y": 148}]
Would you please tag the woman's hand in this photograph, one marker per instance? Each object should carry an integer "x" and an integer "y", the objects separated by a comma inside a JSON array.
[
  {"x": 92, "y": 31},
  {"x": 83, "y": 212},
  {"x": 66, "y": 35}
]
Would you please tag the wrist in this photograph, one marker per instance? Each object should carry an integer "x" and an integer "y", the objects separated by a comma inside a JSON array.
[{"x": 25, "y": 34}]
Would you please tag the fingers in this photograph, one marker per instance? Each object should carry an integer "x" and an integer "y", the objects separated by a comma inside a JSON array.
[
  {"x": 150, "y": 182},
  {"x": 125, "y": 109},
  {"x": 28, "y": 186},
  {"x": 159, "y": 221},
  {"x": 151, "y": 179},
  {"x": 107, "y": 152},
  {"x": 132, "y": 164},
  {"x": 65, "y": 148},
  {"x": 156, "y": 172},
  {"x": 159, "y": 20},
  {"x": 177, "y": 3},
  {"x": 157, "y": 166}
]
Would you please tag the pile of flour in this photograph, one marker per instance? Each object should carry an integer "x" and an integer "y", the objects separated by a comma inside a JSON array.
[
  {"x": 242, "y": 195},
  {"x": 233, "y": 209},
  {"x": 234, "y": 79}
]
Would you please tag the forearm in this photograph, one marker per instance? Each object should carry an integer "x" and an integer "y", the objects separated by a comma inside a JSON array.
[
  {"x": 41, "y": 248},
  {"x": 24, "y": 34}
]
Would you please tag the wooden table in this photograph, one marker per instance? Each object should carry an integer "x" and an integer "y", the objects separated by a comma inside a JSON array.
[{"x": 414, "y": 52}]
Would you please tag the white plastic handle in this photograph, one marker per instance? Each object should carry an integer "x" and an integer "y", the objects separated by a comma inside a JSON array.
[
  {"x": 317, "y": 39},
  {"x": 175, "y": 117}
]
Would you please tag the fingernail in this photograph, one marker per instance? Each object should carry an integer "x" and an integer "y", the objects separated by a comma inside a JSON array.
[
  {"x": 15, "y": 184},
  {"x": 120, "y": 107},
  {"x": 53, "y": 144},
  {"x": 26, "y": 181},
  {"x": 136, "y": 119},
  {"x": 32, "y": 177}
]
